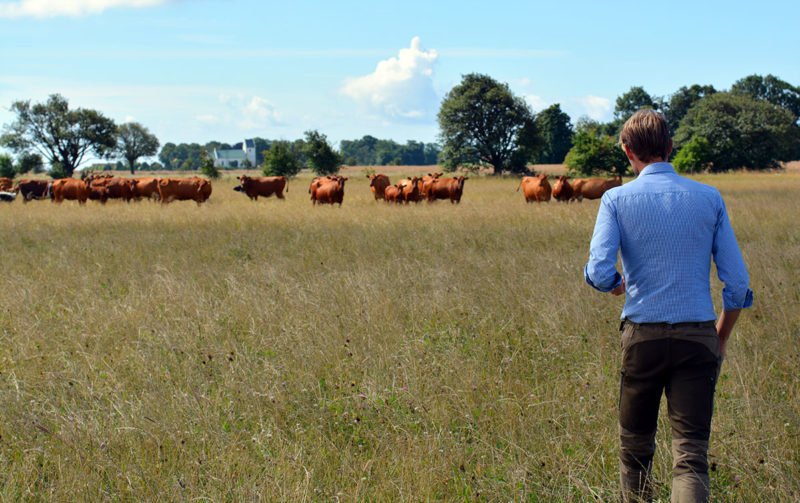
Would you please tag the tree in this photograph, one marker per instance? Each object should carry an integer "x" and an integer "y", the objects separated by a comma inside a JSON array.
[
  {"x": 482, "y": 122},
  {"x": 6, "y": 167},
  {"x": 208, "y": 167},
  {"x": 61, "y": 135},
  {"x": 135, "y": 141},
  {"x": 682, "y": 100},
  {"x": 279, "y": 160},
  {"x": 693, "y": 157},
  {"x": 595, "y": 153},
  {"x": 556, "y": 130},
  {"x": 742, "y": 132},
  {"x": 634, "y": 99},
  {"x": 772, "y": 90},
  {"x": 30, "y": 162},
  {"x": 323, "y": 158}
]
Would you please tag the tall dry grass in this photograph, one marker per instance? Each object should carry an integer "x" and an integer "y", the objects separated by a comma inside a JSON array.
[{"x": 276, "y": 351}]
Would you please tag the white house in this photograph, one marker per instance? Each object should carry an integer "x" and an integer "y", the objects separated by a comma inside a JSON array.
[{"x": 235, "y": 157}]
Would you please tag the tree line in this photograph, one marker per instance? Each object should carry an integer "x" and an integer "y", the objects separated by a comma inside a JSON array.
[{"x": 755, "y": 124}]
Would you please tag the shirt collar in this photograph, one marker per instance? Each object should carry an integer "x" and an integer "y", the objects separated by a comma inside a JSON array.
[{"x": 657, "y": 167}]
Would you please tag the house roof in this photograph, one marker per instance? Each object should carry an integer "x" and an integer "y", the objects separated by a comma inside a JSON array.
[{"x": 229, "y": 155}]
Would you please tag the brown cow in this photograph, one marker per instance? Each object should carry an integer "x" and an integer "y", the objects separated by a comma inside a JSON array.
[
  {"x": 427, "y": 183},
  {"x": 378, "y": 183},
  {"x": 6, "y": 184},
  {"x": 34, "y": 189},
  {"x": 330, "y": 192},
  {"x": 394, "y": 194},
  {"x": 411, "y": 191},
  {"x": 593, "y": 188},
  {"x": 255, "y": 186},
  {"x": 70, "y": 188},
  {"x": 535, "y": 188},
  {"x": 562, "y": 190},
  {"x": 184, "y": 189},
  {"x": 447, "y": 188},
  {"x": 319, "y": 180},
  {"x": 116, "y": 187},
  {"x": 145, "y": 187}
]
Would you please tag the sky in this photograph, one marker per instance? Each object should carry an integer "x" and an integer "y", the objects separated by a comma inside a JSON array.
[{"x": 225, "y": 70}]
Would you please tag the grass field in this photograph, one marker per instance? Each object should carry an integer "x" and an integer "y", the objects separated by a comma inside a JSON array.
[{"x": 275, "y": 351}]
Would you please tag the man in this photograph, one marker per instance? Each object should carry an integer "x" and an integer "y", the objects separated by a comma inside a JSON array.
[{"x": 666, "y": 229}]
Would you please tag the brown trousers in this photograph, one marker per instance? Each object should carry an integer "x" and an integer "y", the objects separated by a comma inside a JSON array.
[{"x": 682, "y": 361}]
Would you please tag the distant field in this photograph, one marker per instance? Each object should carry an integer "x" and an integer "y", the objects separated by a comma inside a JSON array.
[{"x": 276, "y": 351}]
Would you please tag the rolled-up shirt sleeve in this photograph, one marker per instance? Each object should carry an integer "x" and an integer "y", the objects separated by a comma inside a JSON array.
[
  {"x": 601, "y": 271},
  {"x": 731, "y": 269}
]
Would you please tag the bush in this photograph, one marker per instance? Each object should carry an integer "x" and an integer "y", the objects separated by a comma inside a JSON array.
[
  {"x": 30, "y": 163},
  {"x": 594, "y": 153},
  {"x": 57, "y": 171},
  {"x": 280, "y": 160},
  {"x": 6, "y": 167},
  {"x": 208, "y": 168},
  {"x": 693, "y": 157}
]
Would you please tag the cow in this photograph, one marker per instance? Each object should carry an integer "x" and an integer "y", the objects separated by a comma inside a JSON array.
[
  {"x": 34, "y": 189},
  {"x": 447, "y": 188},
  {"x": 378, "y": 184},
  {"x": 562, "y": 190},
  {"x": 317, "y": 181},
  {"x": 265, "y": 186},
  {"x": 330, "y": 192},
  {"x": 98, "y": 193},
  {"x": 116, "y": 187},
  {"x": 427, "y": 183},
  {"x": 146, "y": 187},
  {"x": 70, "y": 188},
  {"x": 411, "y": 191},
  {"x": 535, "y": 188},
  {"x": 593, "y": 188},
  {"x": 7, "y": 197},
  {"x": 184, "y": 189},
  {"x": 394, "y": 194},
  {"x": 6, "y": 184}
]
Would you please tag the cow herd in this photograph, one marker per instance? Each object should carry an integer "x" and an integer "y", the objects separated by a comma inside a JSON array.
[{"x": 323, "y": 190}]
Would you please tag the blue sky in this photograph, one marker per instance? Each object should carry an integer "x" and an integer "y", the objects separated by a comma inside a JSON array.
[{"x": 201, "y": 70}]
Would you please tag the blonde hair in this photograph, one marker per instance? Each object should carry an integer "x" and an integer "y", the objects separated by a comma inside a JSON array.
[{"x": 646, "y": 133}]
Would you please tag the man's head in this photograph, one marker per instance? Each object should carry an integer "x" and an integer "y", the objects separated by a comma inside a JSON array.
[{"x": 646, "y": 136}]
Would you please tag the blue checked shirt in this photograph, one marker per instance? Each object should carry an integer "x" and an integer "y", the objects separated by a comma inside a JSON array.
[{"x": 666, "y": 229}]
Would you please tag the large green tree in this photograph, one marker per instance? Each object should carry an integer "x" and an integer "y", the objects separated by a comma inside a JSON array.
[
  {"x": 6, "y": 167},
  {"x": 772, "y": 90},
  {"x": 555, "y": 127},
  {"x": 742, "y": 132},
  {"x": 135, "y": 141},
  {"x": 482, "y": 122},
  {"x": 682, "y": 100},
  {"x": 631, "y": 101},
  {"x": 61, "y": 135},
  {"x": 324, "y": 160},
  {"x": 280, "y": 160}
]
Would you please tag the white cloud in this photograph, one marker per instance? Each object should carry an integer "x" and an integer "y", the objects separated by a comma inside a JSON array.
[
  {"x": 259, "y": 113},
  {"x": 400, "y": 87},
  {"x": 535, "y": 102},
  {"x": 596, "y": 107},
  {"x": 52, "y": 8}
]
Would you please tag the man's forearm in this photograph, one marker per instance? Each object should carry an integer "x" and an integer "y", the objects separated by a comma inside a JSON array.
[{"x": 727, "y": 319}]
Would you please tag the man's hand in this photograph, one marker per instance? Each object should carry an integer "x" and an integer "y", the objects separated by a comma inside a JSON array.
[
  {"x": 725, "y": 323},
  {"x": 620, "y": 289}
]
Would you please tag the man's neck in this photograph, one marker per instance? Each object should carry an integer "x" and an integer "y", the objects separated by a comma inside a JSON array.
[{"x": 638, "y": 165}]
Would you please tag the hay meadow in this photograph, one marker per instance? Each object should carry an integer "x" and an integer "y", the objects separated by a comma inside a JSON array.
[{"x": 275, "y": 351}]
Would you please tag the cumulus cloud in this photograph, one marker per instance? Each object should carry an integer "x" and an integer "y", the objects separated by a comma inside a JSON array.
[
  {"x": 53, "y": 8},
  {"x": 535, "y": 102},
  {"x": 400, "y": 87},
  {"x": 596, "y": 107},
  {"x": 250, "y": 113}
]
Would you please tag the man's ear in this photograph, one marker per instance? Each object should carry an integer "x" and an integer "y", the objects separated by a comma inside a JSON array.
[{"x": 670, "y": 149}]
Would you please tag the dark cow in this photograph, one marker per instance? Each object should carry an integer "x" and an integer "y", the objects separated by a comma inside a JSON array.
[
  {"x": 265, "y": 186},
  {"x": 562, "y": 190},
  {"x": 535, "y": 188},
  {"x": 34, "y": 189},
  {"x": 447, "y": 188},
  {"x": 377, "y": 184},
  {"x": 184, "y": 189}
]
